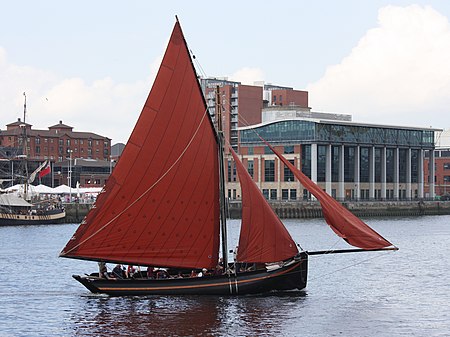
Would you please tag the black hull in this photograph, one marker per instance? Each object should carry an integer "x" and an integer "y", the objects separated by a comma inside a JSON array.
[
  {"x": 52, "y": 217},
  {"x": 290, "y": 277}
]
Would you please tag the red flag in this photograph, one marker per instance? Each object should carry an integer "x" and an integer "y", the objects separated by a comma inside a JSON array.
[{"x": 46, "y": 170}]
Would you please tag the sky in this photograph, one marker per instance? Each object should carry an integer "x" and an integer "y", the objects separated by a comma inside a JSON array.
[{"x": 91, "y": 64}]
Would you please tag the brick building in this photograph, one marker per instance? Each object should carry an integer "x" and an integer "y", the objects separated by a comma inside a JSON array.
[
  {"x": 441, "y": 171},
  {"x": 56, "y": 144},
  {"x": 242, "y": 105}
]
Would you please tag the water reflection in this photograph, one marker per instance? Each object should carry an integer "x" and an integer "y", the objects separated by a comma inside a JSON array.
[{"x": 182, "y": 316}]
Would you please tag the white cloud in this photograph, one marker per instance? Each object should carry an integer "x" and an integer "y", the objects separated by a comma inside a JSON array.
[
  {"x": 103, "y": 106},
  {"x": 247, "y": 75},
  {"x": 399, "y": 73}
]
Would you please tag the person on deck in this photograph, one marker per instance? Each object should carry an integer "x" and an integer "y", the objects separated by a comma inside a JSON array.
[
  {"x": 203, "y": 273},
  {"x": 150, "y": 273},
  {"x": 102, "y": 270},
  {"x": 130, "y": 271},
  {"x": 118, "y": 271}
]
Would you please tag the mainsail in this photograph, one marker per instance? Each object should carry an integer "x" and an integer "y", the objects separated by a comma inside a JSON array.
[
  {"x": 263, "y": 237},
  {"x": 344, "y": 223},
  {"x": 160, "y": 206}
]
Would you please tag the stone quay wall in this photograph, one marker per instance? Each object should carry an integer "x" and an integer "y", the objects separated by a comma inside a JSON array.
[{"x": 311, "y": 209}]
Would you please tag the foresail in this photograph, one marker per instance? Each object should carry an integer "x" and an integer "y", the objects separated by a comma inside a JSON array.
[
  {"x": 263, "y": 237},
  {"x": 344, "y": 223},
  {"x": 160, "y": 206}
]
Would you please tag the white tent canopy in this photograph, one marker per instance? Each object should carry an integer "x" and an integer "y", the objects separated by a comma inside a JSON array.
[
  {"x": 44, "y": 189},
  {"x": 63, "y": 189}
]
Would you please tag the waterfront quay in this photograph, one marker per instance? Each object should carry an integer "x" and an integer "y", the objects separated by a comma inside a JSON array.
[{"x": 75, "y": 212}]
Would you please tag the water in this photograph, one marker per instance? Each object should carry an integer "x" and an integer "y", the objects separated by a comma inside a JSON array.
[{"x": 404, "y": 293}]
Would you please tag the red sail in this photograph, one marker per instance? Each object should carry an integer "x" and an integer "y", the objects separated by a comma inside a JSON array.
[
  {"x": 263, "y": 237},
  {"x": 160, "y": 206},
  {"x": 341, "y": 220}
]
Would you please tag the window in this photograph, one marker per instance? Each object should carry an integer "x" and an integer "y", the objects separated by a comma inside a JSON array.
[
  {"x": 288, "y": 175},
  {"x": 250, "y": 168},
  {"x": 38, "y": 141},
  {"x": 446, "y": 166},
  {"x": 447, "y": 179},
  {"x": 284, "y": 194},
  {"x": 289, "y": 149},
  {"x": 269, "y": 170},
  {"x": 231, "y": 172},
  {"x": 89, "y": 143},
  {"x": 273, "y": 194},
  {"x": 68, "y": 142},
  {"x": 250, "y": 150},
  {"x": 265, "y": 192},
  {"x": 293, "y": 194}
]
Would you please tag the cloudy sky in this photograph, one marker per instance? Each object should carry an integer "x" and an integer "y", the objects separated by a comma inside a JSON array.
[{"x": 91, "y": 63}]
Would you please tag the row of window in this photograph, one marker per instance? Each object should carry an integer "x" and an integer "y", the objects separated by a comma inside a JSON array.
[
  {"x": 61, "y": 151},
  {"x": 301, "y": 131},
  {"x": 349, "y": 165}
]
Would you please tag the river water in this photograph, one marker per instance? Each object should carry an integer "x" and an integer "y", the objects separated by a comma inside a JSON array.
[{"x": 404, "y": 293}]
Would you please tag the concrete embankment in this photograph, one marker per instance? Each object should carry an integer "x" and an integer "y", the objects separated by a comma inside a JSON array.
[
  {"x": 311, "y": 209},
  {"x": 76, "y": 212}
]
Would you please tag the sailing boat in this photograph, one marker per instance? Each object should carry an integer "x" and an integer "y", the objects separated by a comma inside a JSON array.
[
  {"x": 18, "y": 209},
  {"x": 163, "y": 206}
]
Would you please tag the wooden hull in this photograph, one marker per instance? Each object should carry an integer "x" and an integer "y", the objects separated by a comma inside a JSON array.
[
  {"x": 7, "y": 219},
  {"x": 290, "y": 277}
]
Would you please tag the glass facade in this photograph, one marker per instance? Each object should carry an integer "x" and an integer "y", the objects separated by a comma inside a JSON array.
[
  {"x": 400, "y": 145},
  {"x": 321, "y": 162},
  {"x": 306, "y": 160},
  {"x": 291, "y": 132},
  {"x": 364, "y": 170}
]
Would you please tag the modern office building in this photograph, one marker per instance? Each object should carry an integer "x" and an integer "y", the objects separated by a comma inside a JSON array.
[{"x": 348, "y": 160}]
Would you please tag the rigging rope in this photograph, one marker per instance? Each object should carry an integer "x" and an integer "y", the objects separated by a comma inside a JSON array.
[{"x": 346, "y": 267}]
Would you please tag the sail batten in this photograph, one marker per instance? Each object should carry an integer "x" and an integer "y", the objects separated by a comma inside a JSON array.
[
  {"x": 344, "y": 223},
  {"x": 161, "y": 206}
]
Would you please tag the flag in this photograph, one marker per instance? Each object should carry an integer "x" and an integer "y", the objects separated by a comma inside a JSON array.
[
  {"x": 38, "y": 170},
  {"x": 46, "y": 170}
]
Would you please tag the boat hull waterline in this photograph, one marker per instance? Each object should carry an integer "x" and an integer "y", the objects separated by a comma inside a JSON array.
[
  {"x": 289, "y": 277},
  {"x": 7, "y": 219}
]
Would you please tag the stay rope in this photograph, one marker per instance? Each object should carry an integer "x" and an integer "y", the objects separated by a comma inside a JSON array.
[{"x": 346, "y": 267}]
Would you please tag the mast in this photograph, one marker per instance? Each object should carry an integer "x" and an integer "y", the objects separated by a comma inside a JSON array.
[
  {"x": 24, "y": 147},
  {"x": 223, "y": 213}
]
